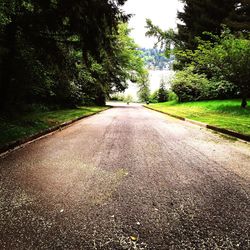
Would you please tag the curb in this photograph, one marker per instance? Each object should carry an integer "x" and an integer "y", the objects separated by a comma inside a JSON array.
[
  {"x": 204, "y": 125},
  {"x": 12, "y": 146}
]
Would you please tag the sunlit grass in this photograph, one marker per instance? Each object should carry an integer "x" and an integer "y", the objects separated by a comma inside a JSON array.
[
  {"x": 31, "y": 123},
  {"x": 222, "y": 113}
]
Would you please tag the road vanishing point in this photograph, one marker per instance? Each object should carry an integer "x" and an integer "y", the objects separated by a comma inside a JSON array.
[{"x": 127, "y": 178}]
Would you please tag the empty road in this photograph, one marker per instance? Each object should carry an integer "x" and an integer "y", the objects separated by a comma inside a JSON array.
[{"x": 127, "y": 178}]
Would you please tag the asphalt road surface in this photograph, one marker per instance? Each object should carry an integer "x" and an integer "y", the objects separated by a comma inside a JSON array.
[{"x": 127, "y": 178}]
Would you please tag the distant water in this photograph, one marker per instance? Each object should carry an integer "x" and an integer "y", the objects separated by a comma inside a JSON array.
[{"x": 155, "y": 77}]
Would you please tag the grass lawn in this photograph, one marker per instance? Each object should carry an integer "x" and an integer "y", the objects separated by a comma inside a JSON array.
[
  {"x": 223, "y": 113},
  {"x": 32, "y": 123}
]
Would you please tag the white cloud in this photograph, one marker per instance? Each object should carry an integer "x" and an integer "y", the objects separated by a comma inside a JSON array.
[{"x": 162, "y": 12}]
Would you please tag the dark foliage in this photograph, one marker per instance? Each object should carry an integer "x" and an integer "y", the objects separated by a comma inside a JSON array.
[
  {"x": 58, "y": 51},
  {"x": 162, "y": 92},
  {"x": 208, "y": 16}
]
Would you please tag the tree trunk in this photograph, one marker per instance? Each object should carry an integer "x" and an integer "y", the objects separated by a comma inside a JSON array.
[
  {"x": 7, "y": 66},
  {"x": 100, "y": 100},
  {"x": 244, "y": 102}
]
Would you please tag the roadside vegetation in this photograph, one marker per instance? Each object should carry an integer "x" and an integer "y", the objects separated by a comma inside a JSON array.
[
  {"x": 222, "y": 113},
  {"x": 212, "y": 64},
  {"x": 61, "y": 55},
  {"x": 64, "y": 53},
  {"x": 211, "y": 49},
  {"x": 36, "y": 121},
  {"x": 67, "y": 54}
]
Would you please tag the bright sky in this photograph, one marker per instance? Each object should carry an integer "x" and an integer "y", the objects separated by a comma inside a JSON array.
[{"x": 162, "y": 12}]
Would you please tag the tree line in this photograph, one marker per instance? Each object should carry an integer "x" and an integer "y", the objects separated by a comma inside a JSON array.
[
  {"x": 64, "y": 52},
  {"x": 212, "y": 49}
]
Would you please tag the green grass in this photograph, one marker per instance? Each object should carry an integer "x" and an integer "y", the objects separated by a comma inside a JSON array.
[
  {"x": 223, "y": 113},
  {"x": 35, "y": 122}
]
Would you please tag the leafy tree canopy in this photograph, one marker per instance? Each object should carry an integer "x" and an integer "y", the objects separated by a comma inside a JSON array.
[
  {"x": 227, "y": 58},
  {"x": 64, "y": 52}
]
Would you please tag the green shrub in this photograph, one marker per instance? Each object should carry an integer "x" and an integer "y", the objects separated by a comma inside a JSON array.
[
  {"x": 162, "y": 92},
  {"x": 154, "y": 97},
  {"x": 117, "y": 97},
  {"x": 189, "y": 86},
  {"x": 222, "y": 89},
  {"x": 226, "y": 58},
  {"x": 172, "y": 96},
  {"x": 160, "y": 95}
]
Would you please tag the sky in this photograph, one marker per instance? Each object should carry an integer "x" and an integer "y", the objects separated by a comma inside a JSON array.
[{"x": 162, "y": 12}]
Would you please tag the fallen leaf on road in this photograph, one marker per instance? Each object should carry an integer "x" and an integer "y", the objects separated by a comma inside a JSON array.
[{"x": 133, "y": 238}]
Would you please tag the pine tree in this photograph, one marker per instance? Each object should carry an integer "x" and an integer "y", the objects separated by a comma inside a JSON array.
[
  {"x": 45, "y": 43},
  {"x": 162, "y": 93},
  {"x": 200, "y": 16},
  {"x": 239, "y": 18}
]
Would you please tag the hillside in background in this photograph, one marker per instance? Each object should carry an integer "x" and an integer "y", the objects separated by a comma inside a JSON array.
[{"x": 155, "y": 59}]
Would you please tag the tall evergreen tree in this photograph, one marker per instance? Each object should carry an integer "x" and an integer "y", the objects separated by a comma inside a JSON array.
[
  {"x": 239, "y": 18},
  {"x": 162, "y": 93},
  {"x": 199, "y": 16},
  {"x": 44, "y": 44}
]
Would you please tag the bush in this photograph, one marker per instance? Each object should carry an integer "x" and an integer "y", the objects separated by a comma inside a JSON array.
[
  {"x": 128, "y": 98},
  {"x": 189, "y": 86},
  {"x": 226, "y": 58},
  {"x": 144, "y": 91},
  {"x": 162, "y": 92},
  {"x": 117, "y": 97},
  {"x": 172, "y": 96},
  {"x": 160, "y": 95},
  {"x": 222, "y": 89},
  {"x": 153, "y": 98}
]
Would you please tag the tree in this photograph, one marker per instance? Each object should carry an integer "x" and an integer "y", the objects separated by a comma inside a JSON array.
[
  {"x": 154, "y": 58},
  {"x": 52, "y": 51},
  {"x": 201, "y": 42},
  {"x": 162, "y": 93},
  {"x": 232, "y": 57},
  {"x": 129, "y": 59},
  {"x": 228, "y": 58},
  {"x": 153, "y": 98},
  {"x": 190, "y": 86},
  {"x": 165, "y": 39},
  {"x": 199, "y": 16},
  {"x": 116, "y": 68},
  {"x": 144, "y": 91},
  {"x": 239, "y": 18},
  {"x": 128, "y": 99}
]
